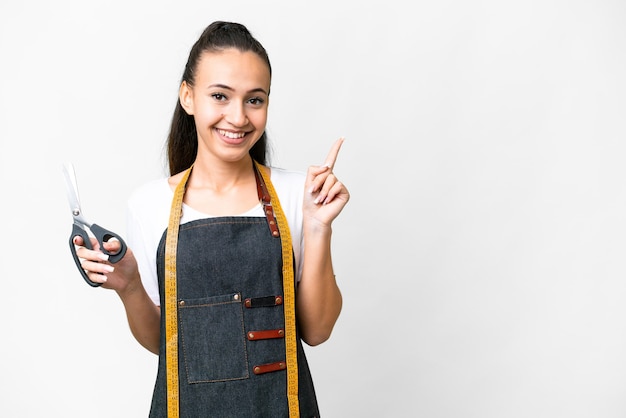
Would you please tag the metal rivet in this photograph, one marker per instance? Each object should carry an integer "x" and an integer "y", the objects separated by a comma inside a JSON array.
[
  {"x": 257, "y": 370},
  {"x": 250, "y": 335},
  {"x": 281, "y": 365},
  {"x": 236, "y": 297},
  {"x": 281, "y": 332},
  {"x": 275, "y": 233},
  {"x": 181, "y": 303},
  {"x": 278, "y": 300}
]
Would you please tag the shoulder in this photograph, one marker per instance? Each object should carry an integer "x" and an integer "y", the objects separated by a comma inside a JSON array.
[
  {"x": 147, "y": 213},
  {"x": 147, "y": 195},
  {"x": 289, "y": 186},
  {"x": 287, "y": 178}
]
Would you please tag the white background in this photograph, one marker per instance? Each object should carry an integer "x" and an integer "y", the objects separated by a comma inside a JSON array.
[{"x": 481, "y": 256}]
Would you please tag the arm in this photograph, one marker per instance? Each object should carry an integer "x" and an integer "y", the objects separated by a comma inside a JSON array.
[
  {"x": 144, "y": 317},
  {"x": 123, "y": 277},
  {"x": 318, "y": 297}
]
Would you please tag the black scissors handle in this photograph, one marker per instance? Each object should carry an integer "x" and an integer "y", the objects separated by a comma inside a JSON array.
[{"x": 102, "y": 235}]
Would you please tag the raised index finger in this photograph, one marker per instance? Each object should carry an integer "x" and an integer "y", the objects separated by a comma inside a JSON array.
[{"x": 334, "y": 151}]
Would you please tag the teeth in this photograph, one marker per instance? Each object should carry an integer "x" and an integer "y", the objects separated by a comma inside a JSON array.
[{"x": 231, "y": 135}]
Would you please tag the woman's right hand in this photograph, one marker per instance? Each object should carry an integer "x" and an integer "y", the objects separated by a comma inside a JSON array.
[{"x": 121, "y": 276}]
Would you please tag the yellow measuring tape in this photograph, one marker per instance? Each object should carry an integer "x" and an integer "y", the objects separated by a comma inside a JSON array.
[{"x": 171, "y": 309}]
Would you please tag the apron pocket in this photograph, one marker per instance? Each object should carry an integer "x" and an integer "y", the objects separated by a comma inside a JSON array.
[{"x": 213, "y": 339}]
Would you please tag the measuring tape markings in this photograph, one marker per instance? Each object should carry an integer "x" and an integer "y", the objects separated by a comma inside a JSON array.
[{"x": 171, "y": 310}]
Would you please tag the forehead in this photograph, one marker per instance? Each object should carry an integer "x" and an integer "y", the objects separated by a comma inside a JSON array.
[{"x": 234, "y": 68}]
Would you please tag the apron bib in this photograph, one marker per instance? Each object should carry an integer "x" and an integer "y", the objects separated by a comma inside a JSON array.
[{"x": 231, "y": 324}]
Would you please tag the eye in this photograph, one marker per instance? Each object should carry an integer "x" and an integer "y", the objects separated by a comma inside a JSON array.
[
  {"x": 256, "y": 101},
  {"x": 218, "y": 96}
]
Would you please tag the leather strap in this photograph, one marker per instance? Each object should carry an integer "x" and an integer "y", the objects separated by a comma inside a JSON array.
[
  {"x": 270, "y": 367},
  {"x": 266, "y": 201},
  {"x": 266, "y": 334},
  {"x": 262, "y": 302}
]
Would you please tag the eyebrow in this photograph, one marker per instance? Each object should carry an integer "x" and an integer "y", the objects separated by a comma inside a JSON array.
[{"x": 225, "y": 87}]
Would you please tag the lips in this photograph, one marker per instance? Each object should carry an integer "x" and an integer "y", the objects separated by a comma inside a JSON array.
[
  {"x": 231, "y": 135},
  {"x": 234, "y": 138}
]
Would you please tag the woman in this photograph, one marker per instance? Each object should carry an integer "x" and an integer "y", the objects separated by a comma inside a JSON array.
[{"x": 233, "y": 235}]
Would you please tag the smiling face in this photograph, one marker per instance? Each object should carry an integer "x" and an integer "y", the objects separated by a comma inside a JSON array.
[{"x": 229, "y": 101}]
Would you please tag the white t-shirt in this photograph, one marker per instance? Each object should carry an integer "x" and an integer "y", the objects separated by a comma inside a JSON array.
[{"x": 148, "y": 215}]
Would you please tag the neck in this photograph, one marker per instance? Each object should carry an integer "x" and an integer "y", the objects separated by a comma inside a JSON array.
[{"x": 220, "y": 175}]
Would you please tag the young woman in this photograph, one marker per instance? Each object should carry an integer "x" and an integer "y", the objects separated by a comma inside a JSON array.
[{"x": 229, "y": 263}]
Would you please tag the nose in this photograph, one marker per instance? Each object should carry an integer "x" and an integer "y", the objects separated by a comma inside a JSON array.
[{"x": 236, "y": 114}]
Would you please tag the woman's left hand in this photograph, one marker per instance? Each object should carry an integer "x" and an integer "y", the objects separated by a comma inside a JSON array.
[{"x": 324, "y": 195}]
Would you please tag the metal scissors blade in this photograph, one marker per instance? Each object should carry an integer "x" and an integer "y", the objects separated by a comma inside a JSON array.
[
  {"x": 72, "y": 194},
  {"x": 81, "y": 227}
]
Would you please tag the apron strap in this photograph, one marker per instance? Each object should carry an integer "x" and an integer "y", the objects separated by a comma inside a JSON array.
[
  {"x": 266, "y": 201},
  {"x": 289, "y": 297}
]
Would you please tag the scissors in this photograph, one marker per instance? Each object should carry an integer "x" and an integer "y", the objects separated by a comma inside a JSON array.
[{"x": 82, "y": 227}]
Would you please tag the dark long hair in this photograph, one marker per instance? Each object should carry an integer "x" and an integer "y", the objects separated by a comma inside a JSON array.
[{"x": 182, "y": 141}]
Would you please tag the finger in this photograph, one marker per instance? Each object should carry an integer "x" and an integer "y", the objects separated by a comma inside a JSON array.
[
  {"x": 325, "y": 188},
  {"x": 97, "y": 277},
  {"x": 113, "y": 245},
  {"x": 80, "y": 242},
  {"x": 98, "y": 269},
  {"x": 93, "y": 255},
  {"x": 333, "y": 192},
  {"x": 331, "y": 158}
]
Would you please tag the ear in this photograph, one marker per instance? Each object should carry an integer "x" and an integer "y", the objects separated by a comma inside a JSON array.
[{"x": 185, "y": 96}]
